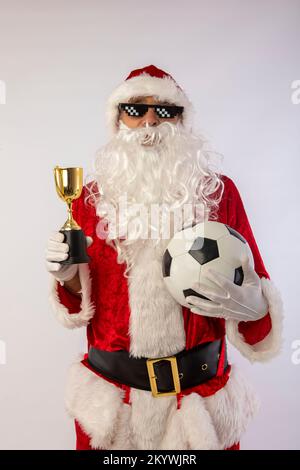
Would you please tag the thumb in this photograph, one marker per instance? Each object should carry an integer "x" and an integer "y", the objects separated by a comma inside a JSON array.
[{"x": 89, "y": 241}]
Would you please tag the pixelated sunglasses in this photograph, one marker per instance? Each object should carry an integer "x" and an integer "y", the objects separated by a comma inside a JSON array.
[{"x": 162, "y": 111}]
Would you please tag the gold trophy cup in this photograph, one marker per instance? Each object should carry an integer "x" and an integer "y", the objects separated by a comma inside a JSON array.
[{"x": 69, "y": 183}]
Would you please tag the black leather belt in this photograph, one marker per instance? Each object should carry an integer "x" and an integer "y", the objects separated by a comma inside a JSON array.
[{"x": 163, "y": 376}]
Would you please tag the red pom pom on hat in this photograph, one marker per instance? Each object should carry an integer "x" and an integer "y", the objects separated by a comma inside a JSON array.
[{"x": 150, "y": 70}]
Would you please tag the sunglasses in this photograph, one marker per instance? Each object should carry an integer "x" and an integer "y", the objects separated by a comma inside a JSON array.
[{"x": 162, "y": 111}]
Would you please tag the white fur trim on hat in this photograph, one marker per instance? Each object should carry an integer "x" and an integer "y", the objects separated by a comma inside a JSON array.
[
  {"x": 87, "y": 308},
  {"x": 165, "y": 89},
  {"x": 271, "y": 345}
]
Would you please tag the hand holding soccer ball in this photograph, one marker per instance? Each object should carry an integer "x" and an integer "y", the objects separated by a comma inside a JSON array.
[
  {"x": 210, "y": 268},
  {"x": 241, "y": 303}
]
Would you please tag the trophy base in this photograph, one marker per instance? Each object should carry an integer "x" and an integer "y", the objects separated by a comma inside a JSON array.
[{"x": 77, "y": 247}]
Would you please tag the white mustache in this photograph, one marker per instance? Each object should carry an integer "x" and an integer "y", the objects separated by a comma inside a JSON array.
[{"x": 148, "y": 135}]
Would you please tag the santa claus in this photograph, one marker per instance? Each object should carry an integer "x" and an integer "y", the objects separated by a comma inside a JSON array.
[{"x": 134, "y": 326}]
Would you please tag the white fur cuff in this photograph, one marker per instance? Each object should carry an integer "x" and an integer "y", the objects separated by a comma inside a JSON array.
[
  {"x": 87, "y": 309},
  {"x": 271, "y": 345}
]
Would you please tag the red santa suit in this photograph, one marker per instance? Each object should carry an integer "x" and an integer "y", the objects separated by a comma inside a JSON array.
[
  {"x": 138, "y": 315},
  {"x": 212, "y": 415}
]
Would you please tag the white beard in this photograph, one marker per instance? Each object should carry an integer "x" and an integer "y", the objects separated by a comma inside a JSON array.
[{"x": 164, "y": 169}]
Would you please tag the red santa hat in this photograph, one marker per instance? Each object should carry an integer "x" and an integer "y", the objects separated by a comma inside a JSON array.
[{"x": 148, "y": 81}]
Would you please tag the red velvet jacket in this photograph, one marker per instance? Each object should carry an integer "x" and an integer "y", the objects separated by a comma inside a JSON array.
[{"x": 108, "y": 328}]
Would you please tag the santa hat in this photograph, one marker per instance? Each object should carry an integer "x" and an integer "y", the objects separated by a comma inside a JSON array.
[{"x": 148, "y": 81}]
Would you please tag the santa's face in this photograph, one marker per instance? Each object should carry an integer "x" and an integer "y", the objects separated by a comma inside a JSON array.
[{"x": 151, "y": 118}]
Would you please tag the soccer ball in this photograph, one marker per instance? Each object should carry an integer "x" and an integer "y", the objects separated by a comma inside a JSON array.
[{"x": 194, "y": 249}]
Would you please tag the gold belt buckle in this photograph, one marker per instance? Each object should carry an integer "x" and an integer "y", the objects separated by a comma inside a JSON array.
[{"x": 152, "y": 376}]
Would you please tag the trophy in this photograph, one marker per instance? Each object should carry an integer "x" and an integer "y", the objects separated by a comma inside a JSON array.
[{"x": 69, "y": 183}]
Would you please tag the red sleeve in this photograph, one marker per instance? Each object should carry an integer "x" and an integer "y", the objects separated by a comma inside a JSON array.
[
  {"x": 71, "y": 301},
  {"x": 253, "y": 331}
]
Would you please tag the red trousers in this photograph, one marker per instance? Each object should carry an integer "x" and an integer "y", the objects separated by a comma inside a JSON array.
[{"x": 83, "y": 441}]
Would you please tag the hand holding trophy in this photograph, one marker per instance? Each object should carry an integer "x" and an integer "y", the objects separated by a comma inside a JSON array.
[{"x": 69, "y": 184}]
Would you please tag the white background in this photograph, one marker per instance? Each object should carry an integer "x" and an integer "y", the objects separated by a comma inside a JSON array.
[{"x": 60, "y": 60}]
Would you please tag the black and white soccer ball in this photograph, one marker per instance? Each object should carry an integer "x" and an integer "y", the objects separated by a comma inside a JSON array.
[{"x": 194, "y": 249}]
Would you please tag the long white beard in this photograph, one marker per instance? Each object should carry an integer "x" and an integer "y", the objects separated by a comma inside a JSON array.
[{"x": 165, "y": 170}]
